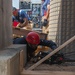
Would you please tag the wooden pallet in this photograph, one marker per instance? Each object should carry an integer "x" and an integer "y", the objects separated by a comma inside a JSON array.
[{"x": 24, "y": 32}]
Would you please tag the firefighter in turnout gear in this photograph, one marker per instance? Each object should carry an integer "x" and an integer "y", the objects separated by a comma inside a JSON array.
[{"x": 32, "y": 40}]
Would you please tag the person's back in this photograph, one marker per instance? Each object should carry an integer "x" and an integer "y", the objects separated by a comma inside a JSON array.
[{"x": 22, "y": 15}]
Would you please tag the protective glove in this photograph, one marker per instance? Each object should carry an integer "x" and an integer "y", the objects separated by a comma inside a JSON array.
[
  {"x": 45, "y": 23},
  {"x": 54, "y": 47}
]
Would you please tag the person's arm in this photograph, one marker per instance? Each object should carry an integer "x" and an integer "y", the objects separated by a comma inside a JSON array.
[
  {"x": 25, "y": 19},
  {"x": 48, "y": 11},
  {"x": 20, "y": 40},
  {"x": 48, "y": 43},
  {"x": 25, "y": 23}
]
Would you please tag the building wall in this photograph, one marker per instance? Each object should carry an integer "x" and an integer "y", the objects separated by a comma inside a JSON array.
[
  {"x": 62, "y": 23},
  {"x": 25, "y": 0},
  {"x": 15, "y": 3},
  {"x": 36, "y": 2}
]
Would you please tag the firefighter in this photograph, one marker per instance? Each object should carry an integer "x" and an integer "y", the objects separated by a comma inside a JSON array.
[
  {"x": 19, "y": 18},
  {"x": 32, "y": 41},
  {"x": 45, "y": 12}
]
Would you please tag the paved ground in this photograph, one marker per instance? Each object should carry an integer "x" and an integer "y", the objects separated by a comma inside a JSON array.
[{"x": 68, "y": 66}]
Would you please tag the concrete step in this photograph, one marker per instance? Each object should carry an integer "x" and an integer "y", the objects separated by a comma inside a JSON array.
[{"x": 29, "y": 72}]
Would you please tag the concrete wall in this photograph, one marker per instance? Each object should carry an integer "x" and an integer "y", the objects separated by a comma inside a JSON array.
[
  {"x": 68, "y": 25},
  {"x": 10, "y": 60},
  {"x": 62, "y": 23},
  {"x": 5, "y": 23}
]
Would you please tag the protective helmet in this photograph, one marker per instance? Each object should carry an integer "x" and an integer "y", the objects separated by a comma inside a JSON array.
[{"x": 33, "y": 38}]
